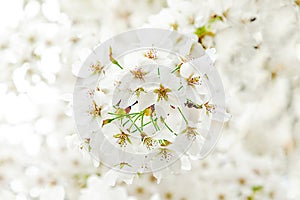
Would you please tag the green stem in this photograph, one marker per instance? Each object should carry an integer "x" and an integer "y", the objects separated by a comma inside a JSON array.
[
  {"x": 118, "y": 65},
  {"x": 186, "y": 121},
  {"x": 155, "y": 126},
  {"x": 164, "y": 122},
  {"x": 110, "y": 113},
  {"x": 133, "y": 122},
  {"x": 180, "y": 87},
  {"x": 142, "y": 122},
  {"x": 121, "y": 116},
  {"x": 155, "y": 120},
  {"x": 125, "y": 122},
  {"x": 135, "y": 125},
  {"x": 177, "y": 68},
  {"x": 141, "y": 127},
  {"x": 147, "y": 123}
]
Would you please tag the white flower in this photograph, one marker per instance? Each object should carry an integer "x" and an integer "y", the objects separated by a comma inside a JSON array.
[
  {"x": 56, "y": 192},
  {"x": 113, "y": 176},
  {"x": 212, "y": 54},
  {"x": 98, "y": 188}
]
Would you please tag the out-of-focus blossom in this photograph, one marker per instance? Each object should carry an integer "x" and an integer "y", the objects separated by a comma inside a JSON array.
[{"x": 258, "y": 57}]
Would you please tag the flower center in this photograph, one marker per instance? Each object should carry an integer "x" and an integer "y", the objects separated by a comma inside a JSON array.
[
  {"x": 139, "y": 73},
  {"x": 162, "y": 92}
]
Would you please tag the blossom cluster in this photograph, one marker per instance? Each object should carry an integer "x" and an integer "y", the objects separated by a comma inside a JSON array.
[{"x": 144, "y": 109}]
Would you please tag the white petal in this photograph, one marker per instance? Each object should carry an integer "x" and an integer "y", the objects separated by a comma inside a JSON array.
[
  {"x": 185, "y": 163},
  {"x": 212, "y": 54},
  {"x": 195, "y": 149},
  {"x": 146, "y": 100},
  {"x": 100, "y": 98},
  {"x": 127, "y": 178},
  {"x": 159, "y": 175},
  {"x": 175, "y": 167},
  {"x": 110, "y": 129},
  {"x": 56, "y": 192},
  {"x": 111, "y": 177},
  {"x": 193, "y": 115},
  {"x": 187, "y": 70},
  {"x": 130, "y": 60},
  {"x": 164, "y": 134}
]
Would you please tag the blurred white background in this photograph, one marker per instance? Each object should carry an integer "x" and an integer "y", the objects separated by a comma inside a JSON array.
[{"x": 258, "y": 49}]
